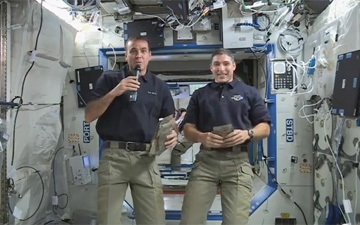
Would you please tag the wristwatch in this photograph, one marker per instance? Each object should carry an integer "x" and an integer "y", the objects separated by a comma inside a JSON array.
[{"x": 251, "y": 133}]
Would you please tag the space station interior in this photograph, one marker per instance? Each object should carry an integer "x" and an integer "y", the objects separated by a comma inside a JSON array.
[{"x": 303, "y": 56}]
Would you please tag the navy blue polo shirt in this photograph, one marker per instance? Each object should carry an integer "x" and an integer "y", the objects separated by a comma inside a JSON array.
[
  {"x": 232, "y": 103},
  {"x": 132, "y": 121}
]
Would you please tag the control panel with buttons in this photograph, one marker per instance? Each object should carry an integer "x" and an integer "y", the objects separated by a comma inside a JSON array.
[{"x": 283, "y": 75}]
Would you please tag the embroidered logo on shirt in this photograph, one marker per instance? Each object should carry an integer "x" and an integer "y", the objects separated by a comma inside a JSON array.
[
  {"x": 237, "y": 97},
  {"x": 152, "y": 93}
]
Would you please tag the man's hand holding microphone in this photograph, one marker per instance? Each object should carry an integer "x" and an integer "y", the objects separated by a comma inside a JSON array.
[{"x": 130, "y": 84}]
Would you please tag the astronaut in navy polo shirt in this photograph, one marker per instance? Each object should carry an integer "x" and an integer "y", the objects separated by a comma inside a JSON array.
[
  {"x": 223, "y": 161},
  {"x": 128, "y": 110}
]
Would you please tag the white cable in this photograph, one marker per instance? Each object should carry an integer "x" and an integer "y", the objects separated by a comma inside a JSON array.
[
  {"x": 260, "y": 49},
  {"x": 317, "y": 114},
  {"x": 139, "y": 13},
  {"x": 304, "y": 68},
  {"x": 242, "y": 11},
  {"x": 311, "y": 84},
  {"x": 295, "y": 71},
  {"x": 277, "y": 4},
  {"x": 281, "y": 17},
  {"x": 347, "y": 218},
  {"x": 112, "y": 47},
  {"x": 285, "y": 46},
  {"x": 190, "y": 24}
]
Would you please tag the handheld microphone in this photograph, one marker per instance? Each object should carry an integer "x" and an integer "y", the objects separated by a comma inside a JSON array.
[{"x": 133, "y": 94}]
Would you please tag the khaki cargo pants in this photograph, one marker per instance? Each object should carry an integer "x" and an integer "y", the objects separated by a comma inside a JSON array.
[
  {"x": 229, "y": 171},
  {"x": 119, "y": 168}
]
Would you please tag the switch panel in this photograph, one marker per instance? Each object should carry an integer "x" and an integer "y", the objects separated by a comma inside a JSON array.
[
  {"x": 80, "y": 169},
  {"x": 283, "y": 75}
]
